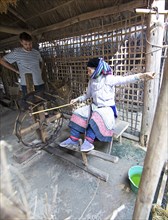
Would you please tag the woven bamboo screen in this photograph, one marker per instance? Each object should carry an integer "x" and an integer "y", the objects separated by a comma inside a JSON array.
[{"x": 122, "y": 48}]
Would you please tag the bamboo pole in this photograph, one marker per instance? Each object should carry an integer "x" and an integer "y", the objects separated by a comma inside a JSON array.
[
  {"x": 157, "y": 154},
  {"x": 153, "y": 60},
  {"x": 150, "y": 11},
  {"x": 49, "y": 109}
]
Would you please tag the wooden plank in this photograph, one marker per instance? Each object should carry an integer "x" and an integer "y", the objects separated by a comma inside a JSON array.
[
  {"x": 30, "y": 103},
  {"x": 103, "y": 156},
  {"x": 29, "y": 82},
  {"x": 95, "y": 153},
  {"x": 39, "y": 97},
  {"x": 5, "y": 101},
  {"x": 130, "y": 136},
  {"x": 120, "y": 127},
  {"x": 36, "y": 125},
  {"x": 31, "y": 128},
  {"x": 23, "y": 154},
  {"x": 54, "y": 117},
  {"x": 77, "y": 162}
]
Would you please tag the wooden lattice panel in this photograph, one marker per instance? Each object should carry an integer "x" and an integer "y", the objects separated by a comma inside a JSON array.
[{"x": 123, "y": 48}]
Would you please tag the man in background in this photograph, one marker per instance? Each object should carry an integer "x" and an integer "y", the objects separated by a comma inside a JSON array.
[{"x": 28, "y": 60}]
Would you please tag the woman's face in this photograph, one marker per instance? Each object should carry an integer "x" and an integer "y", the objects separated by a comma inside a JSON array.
[{"x": 90, "y": 70}]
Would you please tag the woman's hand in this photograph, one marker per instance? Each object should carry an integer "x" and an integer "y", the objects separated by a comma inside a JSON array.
[
  {"x": 147, "y": 75},
  {"x": 73, "y": 101}
]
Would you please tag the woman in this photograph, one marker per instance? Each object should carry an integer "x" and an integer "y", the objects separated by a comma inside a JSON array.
[{"x": 98, "y": 120}]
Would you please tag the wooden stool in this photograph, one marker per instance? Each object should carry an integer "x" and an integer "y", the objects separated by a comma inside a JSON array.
[{"x": 120, "y": 127}]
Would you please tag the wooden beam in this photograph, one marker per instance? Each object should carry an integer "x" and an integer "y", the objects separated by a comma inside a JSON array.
[
  {"x": 150, "y": 11},
  {"x": 91, "y": 15},
  {"x": 63, "y": 153},
  {"x": 29, "y": 129},
  {"x": 8, "y": 41},
  {"x": 36, "y": 125},
  {"x": 12, "y": 30},
  {"x": 106, "y": 28},
  {"x": 104, "y": 156},
  {"x": 54, "y": 117},
  {"x": 153, "y": 61},
  {"x": 156, "y": 154},
  {"x": 104, "y": 12},
  {"x": 16, "y": 14},
  {"x": 76, "y": 19},
  {"x": 50, "y": 10}
]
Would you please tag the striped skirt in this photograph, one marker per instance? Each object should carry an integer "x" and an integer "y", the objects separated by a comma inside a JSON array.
[{"x": 101, "y": 120}]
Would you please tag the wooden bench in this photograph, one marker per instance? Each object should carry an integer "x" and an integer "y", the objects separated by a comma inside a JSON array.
[
  {"x": 66, "y": 154},
  {"x": 120, "y": 127}
]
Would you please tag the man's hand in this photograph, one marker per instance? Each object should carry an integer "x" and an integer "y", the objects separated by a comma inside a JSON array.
[{"x": 8, "y": 65}]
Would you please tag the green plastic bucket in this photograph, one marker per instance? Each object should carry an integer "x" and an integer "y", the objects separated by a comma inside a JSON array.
[{"x": 134, "y": 175}]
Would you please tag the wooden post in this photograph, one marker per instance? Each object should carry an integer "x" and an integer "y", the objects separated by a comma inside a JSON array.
[
  {"x": 156, "y": 154},
  {"x": 42, "y": 130},
  {"x": 42, "y": 134},
  {"x": 155, "y": 31},
  {"x": 84, "y": 157},
  {"x": 29, "y": 82}
]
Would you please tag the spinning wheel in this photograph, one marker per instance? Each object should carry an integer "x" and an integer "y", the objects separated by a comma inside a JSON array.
[{"x": 37, "y": 131}]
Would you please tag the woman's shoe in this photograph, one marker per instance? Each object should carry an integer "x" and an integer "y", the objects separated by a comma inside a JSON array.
[
  {"x": 69, "y": 142},
  {"x": 86, "y": 146}
]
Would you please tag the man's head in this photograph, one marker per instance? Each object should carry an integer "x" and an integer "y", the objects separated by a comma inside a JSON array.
[{"x": 26, "y": 41}]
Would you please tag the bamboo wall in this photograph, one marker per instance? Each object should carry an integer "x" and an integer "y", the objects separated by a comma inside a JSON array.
[{"x": 123, "y": 48}]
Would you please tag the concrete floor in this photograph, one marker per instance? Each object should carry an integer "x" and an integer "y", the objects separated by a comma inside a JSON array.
[{"x": 68, "y": 191}]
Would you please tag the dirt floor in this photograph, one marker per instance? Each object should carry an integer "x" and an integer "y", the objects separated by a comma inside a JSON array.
[{"x": 57, "y": 189}]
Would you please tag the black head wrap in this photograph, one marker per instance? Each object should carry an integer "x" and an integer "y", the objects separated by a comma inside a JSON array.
[{"x": 94, "y": 62}]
